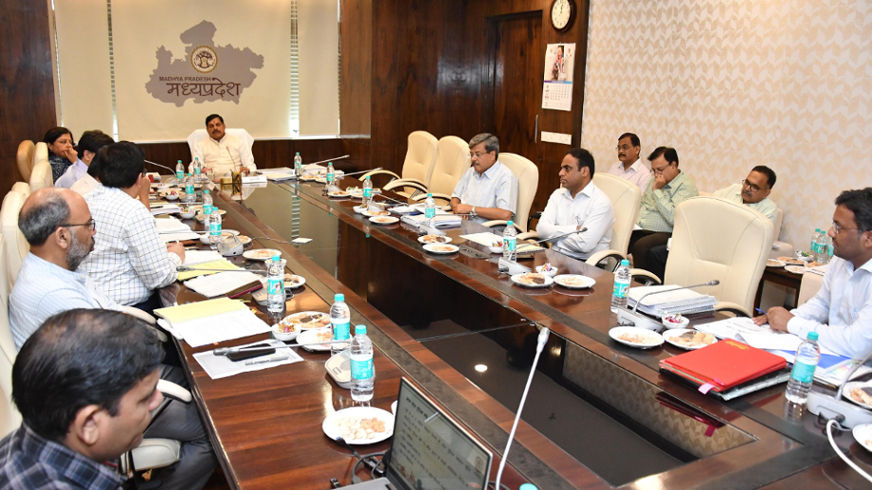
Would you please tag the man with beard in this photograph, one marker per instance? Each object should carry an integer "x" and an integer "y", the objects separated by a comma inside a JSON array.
[{"x": 60, "y": 230}]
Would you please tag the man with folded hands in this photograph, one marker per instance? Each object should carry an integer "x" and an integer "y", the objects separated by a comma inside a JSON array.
[
  {"x": 841, "y": 311},
  {"x": 577, "y": 204},
  {"x": 223, "y": 152},
  {"x": 488, "y": 189}
]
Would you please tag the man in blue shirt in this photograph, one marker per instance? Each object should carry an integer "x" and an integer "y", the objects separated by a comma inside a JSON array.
[{"x": 488, "y": 188}]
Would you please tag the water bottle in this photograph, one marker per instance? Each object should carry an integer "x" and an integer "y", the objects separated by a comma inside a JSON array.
[
  {"x": 815, "y": 243},
  {"x": 367, "y": 192},
  {"x": 622, "y": 285},
  {"x": 190, "y": 193},
  {"x": 510, "y": 242},
  {"x": 298, "y": 165},
  {"x": 331, "y": 175},
  {"x": 275, "y": 286},
  {"x": 430, "y": 210},
  {"x": 801, "y": 377},
  {"x": 180, "y": 171},
  {"x": 214, "y": 227},
  {"x": 362, "y": 369},
  {"x": 828, "y": 242},
  {"x": 340, "y": 318},
  {"x": 207, "y": 198},
  {"x": 198, "y": 170}
]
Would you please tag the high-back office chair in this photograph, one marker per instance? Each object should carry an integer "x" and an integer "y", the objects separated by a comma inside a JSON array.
[
  {"x": 16, "y": 245},
  {"x": 452, "y": 159},
  {"x": 626, "y": 198},
  {"x": 22, "y": 188},
  {"x": 41, "y": 176},
  {"x": 716, "y": 239},
  {"x": 527, "y": 174},
  {"x": 9, "y": 416},
  {"x": 24, "y": 159},
  {"x": 417, "y": 166},
  {"x": 199, "y": 135},
  {"x": 40, "y": 153}
]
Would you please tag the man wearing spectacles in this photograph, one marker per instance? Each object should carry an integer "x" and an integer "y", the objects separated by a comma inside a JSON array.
[
  {"x": 629, "y": 166},
  {"x": 669, "y": 187},
  {"x": 488, "y": 189},
  {"x": 841, "y": 311}
]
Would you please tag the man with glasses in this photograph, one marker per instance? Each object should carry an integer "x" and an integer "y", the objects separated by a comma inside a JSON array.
[
  {"x": 488, "y": 189},
  {"x": 669, "y": 187},
  {"x": 130, "y": 261},
  {"x": 841, "y": 311},
  {"x": 629, "y": 166}
]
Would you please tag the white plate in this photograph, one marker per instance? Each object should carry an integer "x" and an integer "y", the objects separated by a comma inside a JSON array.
[
  {"x": 340, "y": 422},
  {"x": 775, "y": 263},
  {"x": 796, "y": 269},
  {"x": 384, "y": 220},
  {"x": 441, "y": 248},
  {"x": 851, "y": 385},
  {"x": 367, "y": 212},
  {"x": 338, "y": 195},
  {"x": 438, "y": 239},
  {"x": 669, "y": 336},
  {"x": 311, "y": 338},
  {"x": 293, "y": 281},
  {"x": 863, "y": 435},
  {"x": 261, "y": 254},
  {"x": 282, "y": 335},
  {"x": 647, "y": 338},
  {"x": 204, "y": 237},
  {"x": 307, "y": 320},
  {"x": 574, "y": 281},
  {"x": 517, "y": 280},
  {"x": 202, "y": 217}
]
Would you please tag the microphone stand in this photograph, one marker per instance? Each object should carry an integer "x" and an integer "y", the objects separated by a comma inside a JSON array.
[
  {"x": 173, "y": 172},
  {"x": 186, "y": 268}
]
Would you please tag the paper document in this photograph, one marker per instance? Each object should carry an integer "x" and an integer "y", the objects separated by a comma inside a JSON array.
[
  {"x": 222, "y": 264},
  {"x": 221, "y": 366},
  {"x": 181, "y": 236},
  {"x": 745, "y": 330},
  {"x": 170, "y": 225},
  {"x": 221, "y": 283},
  {"x": 200, "y": 256},
  {"x": 199, "y": 309},
  {"x": 207, "y": 322},
  {"x": 157, "y": 209},
  {"x": 485, "y": 238}
]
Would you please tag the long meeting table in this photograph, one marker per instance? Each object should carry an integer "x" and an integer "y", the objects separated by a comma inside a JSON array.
[{"x": 599, "y": 414}]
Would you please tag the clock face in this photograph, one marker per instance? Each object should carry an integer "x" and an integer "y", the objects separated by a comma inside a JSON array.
[{"x": 561, "y": 13}]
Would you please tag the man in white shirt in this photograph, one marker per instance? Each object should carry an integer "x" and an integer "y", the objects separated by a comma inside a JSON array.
[
  {"x": 488, "y": 189},
  {"x": 89, "y": 143},
  {"x": 130, "y": 260},
  {"x": 629, "y": 165},
  {"x": 841, "y": 311},
  {"x": 577, "y": 204},
  {"x": 223, "y": 152}
]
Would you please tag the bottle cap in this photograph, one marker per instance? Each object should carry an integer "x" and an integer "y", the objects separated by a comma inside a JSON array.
[
  {"x": 276, "y": 258},
  {"x": 429, "y": 194},
  {"x": 298, "y": 153},
  {"x": 812, "y": 335},
  {"x": 339, "y": 297},
  {"x": 625, "y": 262},
  {"x": 528, "y": 486},
  {"x": 360, "y": 330},
  {"x": 207, "y": 209},
  {"x": 510, "y": 223},
  {"x": 205, "y": 191}
]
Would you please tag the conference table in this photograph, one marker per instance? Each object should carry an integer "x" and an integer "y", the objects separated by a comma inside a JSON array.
[{"x": 599, "y": 414}]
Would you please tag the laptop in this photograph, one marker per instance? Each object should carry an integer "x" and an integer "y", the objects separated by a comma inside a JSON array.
[{"x": 429, "y": 449}]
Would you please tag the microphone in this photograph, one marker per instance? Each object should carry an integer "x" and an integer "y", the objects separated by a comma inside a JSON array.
[
  {"x": 540, "y": 344},
  {"x": 329, "y": 160},
  {"x": 713, "y": 282},
  {"x": 187, "y": 268},
  {"x": 172, "y": 171}
]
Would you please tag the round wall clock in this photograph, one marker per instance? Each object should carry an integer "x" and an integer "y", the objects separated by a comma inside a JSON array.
[{"x": 562, "y": 14}]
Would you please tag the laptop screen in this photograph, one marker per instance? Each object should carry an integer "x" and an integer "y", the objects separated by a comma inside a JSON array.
[{"x": 430, "y": 450}]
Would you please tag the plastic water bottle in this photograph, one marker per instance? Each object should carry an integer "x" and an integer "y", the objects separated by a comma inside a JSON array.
[
  {"x": 430, "y": 210},
  {"x": 180, "y": 171},
  {"x": 828, "y": 242},
  {"x": 367, "y": 192},
  {"x": 275, "y": 286},
  {"x": 190, "y": 193},
  {"x": 214, "y": 227},
  {"x": 815, "y": 243},
  {"x": 298, "y": 165},
  {"x": 362, "y": 369},
  {"x": 340, "y": 318},
  {"x": 331, "y": 175},
  {"x": 198, "y": 170},
  {"x": 801, "y": 377},
  {"x": 622, "y": 285},
  {"x": 207, "y": 198},
  {"x": 510, "y": 242}
]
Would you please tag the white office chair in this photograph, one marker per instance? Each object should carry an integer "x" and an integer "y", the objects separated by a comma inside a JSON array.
[
  {"x": 199, "y": 135},
  {"x": 452, "y": 159},
  {"x": 810, "y": 285},
  {"x": 16, "y": 245},
  {"x": 527, "y": 174},
  {"x": 24, "y": 159},
  {"x": 40, "y": 153},
  {"x": 417, "y": 166},
  {"x": 22, "y": 188},
  {"x": 716, "y": 239},
  {"x": 9, "y": 416},
  {"x": 40, "y": 176},
  {"x": 625, "y": 197}
]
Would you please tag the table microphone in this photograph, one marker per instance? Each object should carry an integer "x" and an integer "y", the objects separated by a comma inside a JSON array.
[
  {"x": 540, "y": 344},
  {"x": 187, "y": 268},
  {"x": 172, "y": 171},
  {"x": 713, "y": 282}
]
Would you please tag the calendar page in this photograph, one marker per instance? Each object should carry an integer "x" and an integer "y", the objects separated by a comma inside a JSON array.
[{"x": 557, "y": 80}]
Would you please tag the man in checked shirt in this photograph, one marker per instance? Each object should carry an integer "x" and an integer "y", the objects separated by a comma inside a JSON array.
[{"x": 129, "y": 261}]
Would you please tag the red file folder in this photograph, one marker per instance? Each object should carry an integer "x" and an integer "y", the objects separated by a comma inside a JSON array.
[{"x": 724, "y": 364}]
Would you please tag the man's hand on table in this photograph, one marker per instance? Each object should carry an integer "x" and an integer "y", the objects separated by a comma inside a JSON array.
[
  {"x": 461, "y": 208},
  {"x": 777, "y": 317},
  {"x": 178, "y": 249}
]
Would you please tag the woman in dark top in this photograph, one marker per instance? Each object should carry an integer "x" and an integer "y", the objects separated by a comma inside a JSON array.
[{"x": 61, "y": 153}]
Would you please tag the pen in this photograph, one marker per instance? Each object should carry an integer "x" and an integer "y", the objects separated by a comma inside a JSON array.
[
  {"x": 266, "y": 360},
  {"x": 758, "y": 310}
]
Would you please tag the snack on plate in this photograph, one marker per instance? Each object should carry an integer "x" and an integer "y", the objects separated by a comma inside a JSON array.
[
  {"x": 791, "y": 260},
  {"x": 434, "y": 238},
  {"x": 547, "y": 267},
  {"x": 532, "y": 278},
  {"x": 305, "y": 320},
  {"x": 573, "y": 281},
  {"x": 693, "y": 339},
  {"x": 440, "y": 248},
  {"x": 636, "y": 338},
  {"x": 862, "y": 395},
  {"x": 383, "y": 219},
  {"x": 676, "y": 319},
  {"x": 353, "y": 428}
]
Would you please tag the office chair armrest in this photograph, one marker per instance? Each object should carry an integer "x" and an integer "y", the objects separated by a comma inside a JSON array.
[
  {"x": 644, "y": 277},
  {"x": 170, "y": 389},
  {"x": 728, "y": 306},
  {"x": 137, "y": 313},
  {"x": 414, "y": 184},
  {"x": 501, "y": 222},
  {"x": 151, "y": 453},
  {"x": 597, "y": 257},
  {"x": 532, "y": 234},
  {"x": 372, "y": 173}
]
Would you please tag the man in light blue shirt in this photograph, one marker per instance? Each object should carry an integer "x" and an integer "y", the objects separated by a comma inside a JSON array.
[
  {"x": 89, "y": 143},
  {"x": 488, "y": 188},
  {"x": 841, "y": 311}
]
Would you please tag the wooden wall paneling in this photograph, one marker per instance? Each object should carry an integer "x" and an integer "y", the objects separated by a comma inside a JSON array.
[
  {"x": 355, "y": 76},
  {"x": 26, "y": 89}
]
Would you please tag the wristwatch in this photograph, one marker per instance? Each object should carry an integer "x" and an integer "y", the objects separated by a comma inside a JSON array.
[{"x": 473, "y": 211}]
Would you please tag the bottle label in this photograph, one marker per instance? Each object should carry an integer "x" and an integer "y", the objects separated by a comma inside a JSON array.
[
  {"x": 367, "y": 192},
  {"x": 620, "y": 289},
  {"x": 830, "y": 249},
  {"x": 429, "y": 212},
  {"x": 329, "y": 177},
  {"x": 180, "y": 174},
  {"x": 275, "y": 285},
  {"x": 214, "y": 228},
  {"x": 361, "y": 369},
  {"x": 802, "y": 372},
  {"x": 510, "y": 243},
  {"x": 189, "y": 188},
  {"x": 342, "y": 331}
]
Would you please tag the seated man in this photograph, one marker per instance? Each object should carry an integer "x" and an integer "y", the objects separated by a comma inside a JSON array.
[
  {"x": 130, "y": 260},
  {"x": 89, "y": 143},
  {"x": 752, "y": 192},
  {"x": 841, "y": 311},
  {"x": 222, "y": 152},
  {"x": 577, "y": 204},
  {"x": 668, "y": 189},
  {"x": 81, "y": 404},
  {"x": 488, "y": 188},
  {"x": 629, "y": 165}
]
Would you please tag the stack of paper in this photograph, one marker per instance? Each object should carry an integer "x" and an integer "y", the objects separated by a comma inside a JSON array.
[
  {"x": 277, "y": 174},
  {"x": 207, "y": 268},
  {"x": 173, "y": 230},
  {"x": 488, "y": 239},
  {"x": 670, "y": 299},
  {"x": 210, "y": 321},
  {"x": 439, "y": 221},
  {"x": 157, "y": 209},
  {"x": 221, "y": 283}
]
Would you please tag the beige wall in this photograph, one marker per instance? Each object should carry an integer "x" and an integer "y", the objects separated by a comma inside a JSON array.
[{"x": 732, "y": 84}]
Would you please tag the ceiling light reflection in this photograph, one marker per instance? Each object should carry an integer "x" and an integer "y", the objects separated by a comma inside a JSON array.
[{"x": 481, "y": 368}]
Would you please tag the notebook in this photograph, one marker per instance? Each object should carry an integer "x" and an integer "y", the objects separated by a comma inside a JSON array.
[
  {"x": 723, "y": 365},
  {"x": 429, "y": 449}
]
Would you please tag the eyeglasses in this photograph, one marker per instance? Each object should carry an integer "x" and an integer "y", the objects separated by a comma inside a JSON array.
[
  {"x": 658, "y": 171},
  {"x": 837, "y": 228},
  {"x": 477, "y": 154},
  {"x": 624, "y": 147},
  {"x": 90, "y": 224},
  {"x": 753, "y": 187}
]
